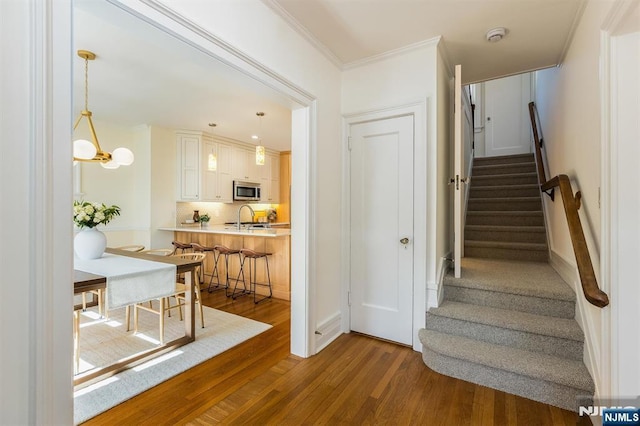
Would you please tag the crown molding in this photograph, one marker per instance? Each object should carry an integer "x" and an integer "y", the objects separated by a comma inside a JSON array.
[
  {"x": 446, "y": 58},
  {"x": 572, "y": 31},
  {"x": 395, "y": 52},
  {"x": 303, "y": 31}
]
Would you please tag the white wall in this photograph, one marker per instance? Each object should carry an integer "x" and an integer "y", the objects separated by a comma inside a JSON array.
[
  {"x": 256, "y": 31},
  {"x": 163, "y": 185},
  {"x": 444, "y": 212},
  {"x": 120, "y": 186},
  {"x": 418, "y": 75},
  {"x": 35, "y": 213},
  {"x": 569, "y": 104}
]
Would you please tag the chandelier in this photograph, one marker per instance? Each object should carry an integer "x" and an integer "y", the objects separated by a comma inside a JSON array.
[{"x": 90, "y": 151}]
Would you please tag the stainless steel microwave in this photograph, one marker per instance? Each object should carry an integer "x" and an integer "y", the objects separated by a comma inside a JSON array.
[{"x": 246, "y": 191}]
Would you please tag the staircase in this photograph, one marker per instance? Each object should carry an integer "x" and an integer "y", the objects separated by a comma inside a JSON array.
[
  {"x": 504, "y": 213},
  {"x": 508, "y": 323}
]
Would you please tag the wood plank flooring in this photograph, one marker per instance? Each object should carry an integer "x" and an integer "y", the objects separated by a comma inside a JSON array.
[{"x": 356, "y": 380}]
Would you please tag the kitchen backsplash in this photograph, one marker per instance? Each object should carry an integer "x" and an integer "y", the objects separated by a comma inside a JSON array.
[{"x": 220, "y": 212}]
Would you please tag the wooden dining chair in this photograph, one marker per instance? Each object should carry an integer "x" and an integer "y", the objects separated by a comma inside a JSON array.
[
  {"x": 134, "y": 247},
  {"x": 159, "y": 252},
  {"x": 196, "y": 285},
  {"x": 164, "y": 303}
]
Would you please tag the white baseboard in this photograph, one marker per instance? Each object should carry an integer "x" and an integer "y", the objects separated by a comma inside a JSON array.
[
  {"x": 569, "y": 273},
  {"x": 328, "y": 331}
]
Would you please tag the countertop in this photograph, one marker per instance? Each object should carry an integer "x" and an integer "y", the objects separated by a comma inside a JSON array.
[{"x": 230, "y": 230}]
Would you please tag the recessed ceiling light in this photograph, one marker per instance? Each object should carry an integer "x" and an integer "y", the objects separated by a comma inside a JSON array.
[
  {"x": 254, "y": 137},
  {"x": 496, "y": 34}
]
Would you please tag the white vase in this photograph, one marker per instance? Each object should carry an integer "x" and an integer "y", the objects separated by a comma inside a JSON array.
[{"x": 89, "y": 243}]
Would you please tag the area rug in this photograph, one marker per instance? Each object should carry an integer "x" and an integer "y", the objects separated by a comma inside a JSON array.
[{"x": 103, "y": 341}]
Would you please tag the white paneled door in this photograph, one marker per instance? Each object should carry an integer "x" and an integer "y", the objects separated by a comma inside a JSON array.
[
  {"x": 381, "y": 293},
  {"x": 507, "y": 115}
]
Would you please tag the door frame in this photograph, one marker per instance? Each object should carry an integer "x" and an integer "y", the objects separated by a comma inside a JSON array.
[
  {"x": 421, "y": 246},
  {"x": 610, "y": 365}
]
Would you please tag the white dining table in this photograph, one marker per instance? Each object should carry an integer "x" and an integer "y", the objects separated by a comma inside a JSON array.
[{"x": 130, "y": 282}]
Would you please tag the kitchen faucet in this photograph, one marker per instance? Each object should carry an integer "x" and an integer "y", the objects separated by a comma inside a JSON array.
[{"x": 240, "y": 209}]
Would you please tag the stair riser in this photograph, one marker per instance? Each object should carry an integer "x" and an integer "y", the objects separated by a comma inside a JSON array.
[
  {"x": 506, "y": 220},
  {"x": 506, "y": 236},
  {"x": 550, "y": 345},
  {"x": 504, "y": 180},
  {"x": 536, "y": 389},
  {"x": 516, "y": 302},
  {"x": 507, "y": 253},
  {"x": 500, "y": 205},
  {"x": 507, "y": 159},
  {"x": 503, "y": 169},
  {"x": 503, "y": 192}
]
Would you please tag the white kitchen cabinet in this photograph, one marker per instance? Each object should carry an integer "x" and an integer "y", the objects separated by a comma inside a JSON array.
[
  {"x": 244, "y": 167},
  {"x": 216, "y": 172},
  {"x": 201, "y": 177},
  {"x": 188, "y": 166},
  {"x": 270, "y": 179}
]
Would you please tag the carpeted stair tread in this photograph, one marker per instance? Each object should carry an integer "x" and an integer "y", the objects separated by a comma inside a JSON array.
[
  {"x": 510, "y": 233},
  {"x": 500, "y": 169},
  {"x": 564, "y": 371},
  {"x": 506, "y": 228},
  {"x": 506, "y": 245},
  {"x": 535, "y": 213},
  {"x": 505, "y": 204},
  {"x": 513, "y": 320},
  {"x": 502, "y": 159},
  {"x": 513, "y": 277},
  {"x": 512, "y": 218},
  {"x": 505, "y": 179},
  {"x": 493, "y": 191}
]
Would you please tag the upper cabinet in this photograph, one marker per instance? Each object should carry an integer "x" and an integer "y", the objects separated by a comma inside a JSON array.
[
  {"x": 204, "y": 168},
  {"x": 188, "y": 153},
  {"x": 217, "y": 183},
  {"x": 244, "y": 165},
  {"x": 208, "y": 167},
  {"x": 270, "y": 179}
]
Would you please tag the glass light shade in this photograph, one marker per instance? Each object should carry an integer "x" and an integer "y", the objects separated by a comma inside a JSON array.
[
  {"x": 212, "y": 162},
  {"x": 260, "y": 155},
  {"x": 110, "y": 165},
  {"x": 83, "y": 149},
  {"x": 122, "y": 156}
]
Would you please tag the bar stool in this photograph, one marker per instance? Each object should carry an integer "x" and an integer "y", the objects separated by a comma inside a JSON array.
[
  {"x": 253, "y": 257},
  {"x": 199, "y": 248},
  {"x": 220, "y": 251},
  {"x": 183, "y": 247}
]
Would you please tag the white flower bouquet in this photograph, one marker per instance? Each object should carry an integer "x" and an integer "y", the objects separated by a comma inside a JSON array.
[{"x": 89, "y": 215}]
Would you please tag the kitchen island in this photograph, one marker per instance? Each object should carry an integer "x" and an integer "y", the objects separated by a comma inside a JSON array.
[{"x": 276, "y": 241}]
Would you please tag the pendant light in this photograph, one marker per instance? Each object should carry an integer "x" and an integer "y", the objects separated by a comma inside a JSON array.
[
  {"x": 260, "y": 147},
  {"x": 90, "y": 151}
]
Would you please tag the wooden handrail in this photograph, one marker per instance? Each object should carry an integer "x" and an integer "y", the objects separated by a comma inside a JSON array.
[{"x": 571, "y": 203}]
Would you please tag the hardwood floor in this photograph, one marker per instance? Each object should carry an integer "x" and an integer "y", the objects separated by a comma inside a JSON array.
[{"x": 356, "y": 380}]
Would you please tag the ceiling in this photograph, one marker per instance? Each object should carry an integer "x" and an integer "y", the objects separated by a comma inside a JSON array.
[
  {"x": 538, "y": 31},
  {"x": 159, "y": 80}
]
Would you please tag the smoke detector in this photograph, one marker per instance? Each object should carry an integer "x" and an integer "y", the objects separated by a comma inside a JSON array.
[{"x": 496, "y": 34}]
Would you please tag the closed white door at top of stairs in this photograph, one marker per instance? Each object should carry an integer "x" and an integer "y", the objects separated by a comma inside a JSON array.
[
  {"x": 382, "y": 228},
  {"x": 507, "y": 116}
]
